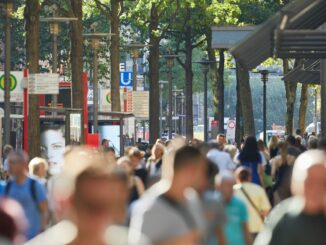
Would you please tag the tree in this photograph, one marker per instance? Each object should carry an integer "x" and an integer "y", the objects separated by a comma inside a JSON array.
[
  {"x": 32, "y": 14},
  {"x": 303, "y": 107}
]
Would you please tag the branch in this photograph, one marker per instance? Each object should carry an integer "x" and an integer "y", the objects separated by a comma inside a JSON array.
[
  {"x": 196, "y": 45},
  {"x": 103, "y": 8}
]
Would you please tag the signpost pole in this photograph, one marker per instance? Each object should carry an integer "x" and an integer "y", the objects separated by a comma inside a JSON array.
[{"x": 25, "y": 112}]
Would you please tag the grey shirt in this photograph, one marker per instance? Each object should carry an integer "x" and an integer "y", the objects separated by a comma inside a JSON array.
[{"x": 161, "y": 221}]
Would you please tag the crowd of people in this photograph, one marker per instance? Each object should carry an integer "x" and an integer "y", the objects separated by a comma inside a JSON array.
[{"x": 174, "y": 193}]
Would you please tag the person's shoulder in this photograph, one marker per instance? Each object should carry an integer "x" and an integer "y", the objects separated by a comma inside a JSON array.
[{"x": 236, "y": 201}]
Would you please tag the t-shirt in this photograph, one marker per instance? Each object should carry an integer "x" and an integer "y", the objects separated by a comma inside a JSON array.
[
  {"x": 258, "y": 196},
  {"x": 237, "y": 216},
  {"x": 215, "y": 214},
  {"x": 22, "y": 194},
  {"x": 2, "y": 188},
  {"x": 288, "y": 225},
  {"x": 161, "y": 221},
  {"x": 221, "y": 159}
]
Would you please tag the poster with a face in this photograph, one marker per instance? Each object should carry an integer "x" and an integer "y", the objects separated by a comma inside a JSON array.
[{"x": 53, "y": 144}]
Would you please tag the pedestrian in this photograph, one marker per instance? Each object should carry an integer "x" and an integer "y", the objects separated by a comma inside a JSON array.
[
  {"x": 136, "y": 186},
  {"x": 28, "y": 192},
  {"x": 222, "y": 159},
  {"x": 221, "y": 139},
  {"x": 38, "y": 168},
  {"x": 273, "y": 146},
  {"x": 251, "y": 157},
  {"x": 322, "y": 144},
  {"x": 236, "y": 228},
  {"x": 292, "y": 147},
  {"x": 282, "y": 167},
  {"x": 137, "y": 162},
  {"x": 154, "y": 165},
  {"x": 300, "y": 220},
  {"x": 255, "y": 197},
  {"x": 175, "y": 216},
  {"x": 7, "y": 149}
]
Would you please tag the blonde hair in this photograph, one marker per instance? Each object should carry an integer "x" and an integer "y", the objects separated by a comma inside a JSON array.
[
  {"x": 35, "y": 163},
  {"x": 273, "y": 143}
]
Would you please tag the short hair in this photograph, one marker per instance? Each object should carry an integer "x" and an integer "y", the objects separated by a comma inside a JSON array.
[
  {"x": 243, "y": 174},
  {"x": 186, "y": 155},
  {"x": 215, "y": 145},
  {"x": 291, "y": 140},
  {"x": 225, "y": 175},
  {"x": 18, "y": 156},
  {"x": 221, "y": 135},
  {"x": 7, "y": 149},
  {"x": 302, "y": 164},
  {"x": 298, "y": 131},
  {"x": 312, "y": 142},
  {"x": 104, "y": 141},
  {"x": 35, "y": 163}
]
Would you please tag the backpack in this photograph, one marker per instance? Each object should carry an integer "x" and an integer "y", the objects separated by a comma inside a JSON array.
[{"x": 32, "y": 188}]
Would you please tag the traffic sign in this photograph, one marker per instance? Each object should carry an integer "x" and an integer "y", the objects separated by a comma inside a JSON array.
[
  {"x": 16, "y": 86},
  {"x": 231, "y": 124},
  {"x": 13, "y": 82},
  {"x": 126, "y": 79}
]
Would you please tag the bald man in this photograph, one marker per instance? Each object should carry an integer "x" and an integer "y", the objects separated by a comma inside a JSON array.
[{"x": 301, "y": 220}]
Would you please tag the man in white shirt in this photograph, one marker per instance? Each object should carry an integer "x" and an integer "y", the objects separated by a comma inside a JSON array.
[{"x": 222, "y": 159}]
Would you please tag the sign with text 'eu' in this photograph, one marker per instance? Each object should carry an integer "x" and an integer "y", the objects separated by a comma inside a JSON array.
[{"x": 126, "y": 79}]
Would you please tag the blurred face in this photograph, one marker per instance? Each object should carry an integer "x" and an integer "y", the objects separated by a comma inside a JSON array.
[
  {"x": 52, "y": 149},
  {"x": 135, "y": 162},
  {"x": 226, "y": 188},
  {"x": 41, "y": 171},
  {"x": 17, "y": 167},
  {"x": 315, "y": 187},
  {"x": 196, "y": 174},
  {"x": 221, "y": 140},
  {"x": 158, "y": 152},
  {"x": 99, "y": 203}
]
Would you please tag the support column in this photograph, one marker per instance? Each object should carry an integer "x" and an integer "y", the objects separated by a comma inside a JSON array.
[{"x": 323, "y": 97}]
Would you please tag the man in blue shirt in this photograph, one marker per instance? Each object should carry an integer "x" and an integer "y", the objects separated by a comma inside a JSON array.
[
  {"x": 28, "y": 192},
  {"x": 236, "y": 228}
]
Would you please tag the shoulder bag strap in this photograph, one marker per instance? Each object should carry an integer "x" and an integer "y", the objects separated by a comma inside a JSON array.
[{"x": 252, "y": 203}]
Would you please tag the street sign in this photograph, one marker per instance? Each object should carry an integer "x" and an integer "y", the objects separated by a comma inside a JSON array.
[
  {"x": 140, "y": 104},
  {"x": 126, "y": 79},
  {"x": 43, "y": 83},
  {"x": 230, "y": 132},
  {"x": 16, "y": 86}
]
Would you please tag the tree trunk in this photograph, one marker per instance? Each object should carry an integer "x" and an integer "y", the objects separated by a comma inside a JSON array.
[
  {"x": 76, "y": 57},
  {"x": 189, "y": 79},
  {"x": 153, "y": 59},
  {"x": 221, "y": 92},
  {"x": 246, "y": 101},
  {"x": 290, "y": 91},
  {"x": 239, "y": 124},
  {"x": 115, "y": 56},
  {"x": 32, "y": 25},
  {"x": 303, "y": 107}
]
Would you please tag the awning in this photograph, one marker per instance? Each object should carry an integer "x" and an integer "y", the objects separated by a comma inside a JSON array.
[
  {"x": 308, "y": 73},
  {"x": 257, "y": 47}
]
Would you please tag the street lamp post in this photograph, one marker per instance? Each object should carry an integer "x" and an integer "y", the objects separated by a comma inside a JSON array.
[
  {"x": 264, "y": 79},
  {"x": 161, "y": 105},
  {"x": 176, "y": 92},
  {"x": 205, "y": 69},
  {"x": 7, "y": 108},
  {"x": 134, "y": 51},
  {"x": 54, "y": 31},
  {"x": 182, "y": 98},
  {"x": 170, "y": 63},
  {"x": 95, "y": 38}
]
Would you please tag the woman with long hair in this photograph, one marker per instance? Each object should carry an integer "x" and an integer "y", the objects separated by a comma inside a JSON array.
[
  {"x": 273, "y": 146},
  {"x": 251, "y": 157}
]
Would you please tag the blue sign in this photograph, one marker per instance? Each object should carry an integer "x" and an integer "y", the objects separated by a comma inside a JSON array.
[{"x": 126, "y": 79}]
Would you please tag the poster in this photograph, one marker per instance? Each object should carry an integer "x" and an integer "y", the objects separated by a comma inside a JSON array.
[{"x": 53, "y": 144}]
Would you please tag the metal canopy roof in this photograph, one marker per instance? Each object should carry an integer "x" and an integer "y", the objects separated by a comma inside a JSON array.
[
  {"x": 308, "y": 73},
  {"x": 302, "y": 14}
]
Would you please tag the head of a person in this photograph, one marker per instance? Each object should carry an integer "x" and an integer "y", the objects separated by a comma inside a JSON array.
[
  {"x": 189, "y": 166},
  {"x": 136, "y": 156},
  {"x": 231, "y": 149},
  {"x": 158, "y": 151},
  {"x": 312, "y": 143},
  {"x": 125, "y": 165},
  {"x": 224, "y": 183},
  {"x": 209, "y": 180},
  {"x": 322, "y": 144},
  {"x": 105, "y": 143},
  {"x": 298, "y": 140},
  {"x": 6, "y": 150},
  {"x": 309, "y": 180},
  {"x": 250, "y": 150},
  {"x": 53, "y": 147},
  {"x": 243, "y": 174},
  {"x": 13, "y": 222},
  {"x": 273, "y": 142},
  {"x": 38, "y": 167},
  {"x": 291, "y": 140},
  {"x": 215, "y": 145},
  {"x": 261, "y": 145},
  {"x": 221, "y": 139},
  {"x": 298, "y": 131},
  {"x": 18, "y": 163}
]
